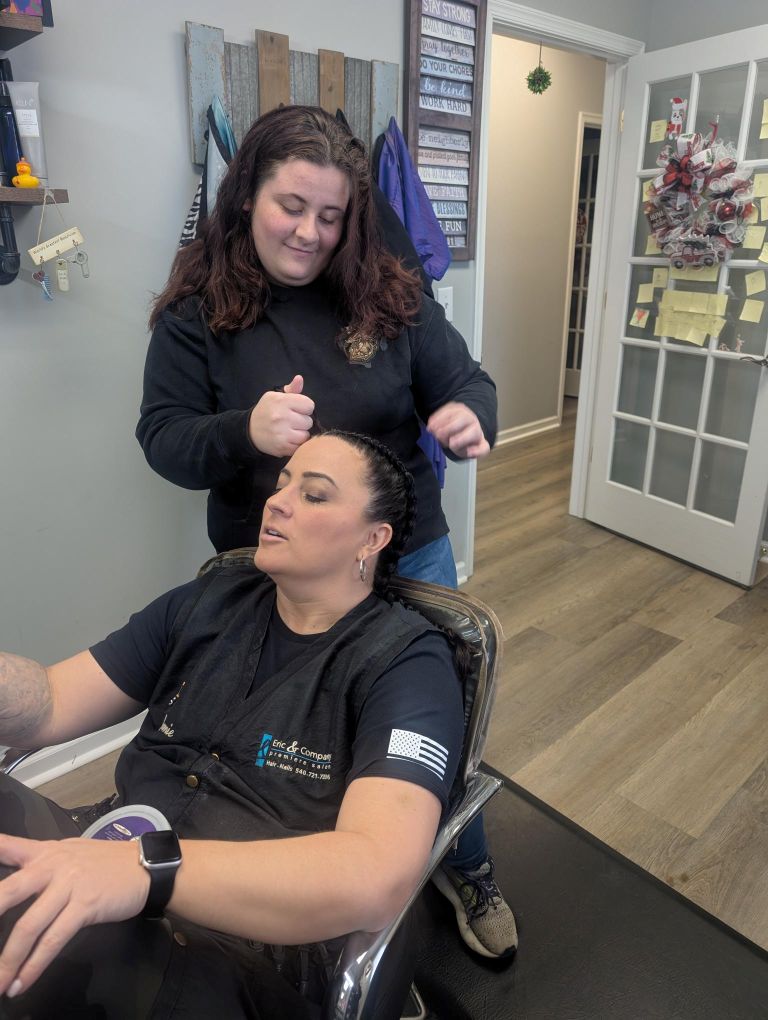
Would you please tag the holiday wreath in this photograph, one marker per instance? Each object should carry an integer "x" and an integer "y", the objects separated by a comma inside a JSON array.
[{"x": 698, "y": 206}]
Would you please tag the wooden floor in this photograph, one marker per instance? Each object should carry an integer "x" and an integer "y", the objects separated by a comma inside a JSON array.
[
  {"x": 634, "y": 694},
  {"x": 634, "y": 689}
]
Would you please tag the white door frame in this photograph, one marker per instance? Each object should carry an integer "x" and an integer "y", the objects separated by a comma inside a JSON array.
[{"x": 540, "y": 26}]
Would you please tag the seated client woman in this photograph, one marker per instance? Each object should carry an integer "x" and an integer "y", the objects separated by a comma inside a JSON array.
[{"x": 289, "y": 708}]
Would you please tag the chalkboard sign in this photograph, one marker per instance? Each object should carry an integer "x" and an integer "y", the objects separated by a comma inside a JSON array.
[{"x": 446, "y": 48}]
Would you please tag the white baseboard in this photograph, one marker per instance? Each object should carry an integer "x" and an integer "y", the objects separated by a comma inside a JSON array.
[
  {"x": 531, "y": 428},
  {"x": 461, "y": 572},
  {"x": 52, "y": 762}
]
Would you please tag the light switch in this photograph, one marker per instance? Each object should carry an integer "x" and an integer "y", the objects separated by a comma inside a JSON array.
[{"x": 445, "y": 298}]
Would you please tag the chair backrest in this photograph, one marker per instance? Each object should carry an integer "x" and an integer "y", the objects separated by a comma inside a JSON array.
[{"x": 469, "y": 618}]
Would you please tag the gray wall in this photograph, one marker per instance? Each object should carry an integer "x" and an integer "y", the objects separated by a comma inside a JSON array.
[
  {"x": 686, "y": 20},
  {"x": 88, "y": 532}
]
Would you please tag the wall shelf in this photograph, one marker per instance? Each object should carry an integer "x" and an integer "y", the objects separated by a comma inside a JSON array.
[
  {"x": 31, "y": 196},
  {"x": 17, "y": 28}
]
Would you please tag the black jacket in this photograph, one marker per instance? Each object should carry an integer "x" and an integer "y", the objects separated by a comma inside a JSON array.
[{"x": 199, "y": 390}]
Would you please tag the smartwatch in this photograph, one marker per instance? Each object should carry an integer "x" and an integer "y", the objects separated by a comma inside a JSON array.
[{"x": 160, "y": 856}]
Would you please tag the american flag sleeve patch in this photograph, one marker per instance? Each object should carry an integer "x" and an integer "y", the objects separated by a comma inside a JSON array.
[{"x": 406, "y": 745}]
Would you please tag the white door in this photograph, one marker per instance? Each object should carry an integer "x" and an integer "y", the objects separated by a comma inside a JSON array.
[{"x": 679, "y": 455}]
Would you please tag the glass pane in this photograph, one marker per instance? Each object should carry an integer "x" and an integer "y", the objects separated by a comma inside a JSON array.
[
  {"x": 638, "y": 378},
  {"x": 660, "y": 108},
  {"x": 672, "y": 458},
  {"x": 719, "y": 485},
  {"x": 573, "y": 315},
  {"x": 571, "y": 358},
  {"x": 738, "y": 334},
  {"x": 579, "y": 348},
  {"x": 681, "y": 389},
  {"x": 641, "y": 275},
  {"x": 757, "y": 147},
  {"x": 732, "y": 399},
  {"x": 642, "y": 231},
  {"x": 721, "y": 100},
  {"x": 577, "y": 257},
  {"x": 583, "y": 315},
  {"x": 584, "y": 177},
  {"x": 630, "y": 445}
]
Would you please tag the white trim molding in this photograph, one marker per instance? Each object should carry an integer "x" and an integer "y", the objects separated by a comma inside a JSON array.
[
  {"x": 536, "y": 25},
  {"x": 531, "y": 428}
]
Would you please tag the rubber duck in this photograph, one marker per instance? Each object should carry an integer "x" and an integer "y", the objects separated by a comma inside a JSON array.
[{"x": 25, "y": 178}]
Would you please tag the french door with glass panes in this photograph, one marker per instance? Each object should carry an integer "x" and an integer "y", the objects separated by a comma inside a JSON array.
[{"x": 679, "y": 456}]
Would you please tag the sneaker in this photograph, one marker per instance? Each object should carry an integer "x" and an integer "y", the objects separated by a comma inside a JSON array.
[{"x": 486, "y": 921}]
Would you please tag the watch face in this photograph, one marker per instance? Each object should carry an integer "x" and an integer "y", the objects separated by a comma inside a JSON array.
[{"x": 159, "y": 848}]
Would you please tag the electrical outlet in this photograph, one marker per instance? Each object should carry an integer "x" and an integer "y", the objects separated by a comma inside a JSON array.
[{"x": 445, "y": 298}]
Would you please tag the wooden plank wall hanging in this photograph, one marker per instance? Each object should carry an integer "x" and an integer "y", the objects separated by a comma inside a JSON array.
[
  {"x": 446, "y": 50},
  {"x": 252, "y": 78}
]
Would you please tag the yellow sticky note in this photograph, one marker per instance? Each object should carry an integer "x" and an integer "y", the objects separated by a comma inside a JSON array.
[
  {"x": 763, "y": 131},
  {"x": 760, "y": 185},
  {"x": 645, "y": 293},
  {"x": 754, "y": 237},
  {"x": 660, "y": 277},
  {"x": 752, "y": 310},
  {"x": 646, "y": 189},
  {"x": 717, "y": 304},
  {"x": 752, "y": 216},
  {"x": 707, "y": 274},
  {"x": 640, "y": 318},
  {"x": 763, "y": 256},
  {"x": 765, "y": 110},
  {"x": 658, "y": 131},
  {"x": 651, "y": 248},
  {"x": 755, "y": 281},
  {"x": 764, "y": 208}
]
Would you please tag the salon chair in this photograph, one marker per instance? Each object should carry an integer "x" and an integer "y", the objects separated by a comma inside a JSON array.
[{"x": 372, "y": 977}]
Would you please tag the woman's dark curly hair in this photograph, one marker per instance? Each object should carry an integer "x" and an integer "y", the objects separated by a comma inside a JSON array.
[{"x": 373, "y": 292}]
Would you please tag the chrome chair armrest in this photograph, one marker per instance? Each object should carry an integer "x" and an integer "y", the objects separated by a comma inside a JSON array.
[
  {"x": 359, "y": 960},
  {"x": 12, "y": 757}
]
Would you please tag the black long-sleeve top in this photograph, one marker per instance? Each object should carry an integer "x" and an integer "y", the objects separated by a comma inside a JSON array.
[{"x": 199, "y": 390}]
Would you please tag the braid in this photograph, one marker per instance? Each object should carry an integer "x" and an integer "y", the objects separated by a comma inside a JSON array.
[{"x": 393, "y": 499}]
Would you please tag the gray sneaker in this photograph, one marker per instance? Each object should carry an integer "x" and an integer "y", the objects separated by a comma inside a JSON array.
[{"x": 486, "y": 921}]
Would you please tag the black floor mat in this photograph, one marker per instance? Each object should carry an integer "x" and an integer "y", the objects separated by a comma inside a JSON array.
[{"x": 599, "y": 938}]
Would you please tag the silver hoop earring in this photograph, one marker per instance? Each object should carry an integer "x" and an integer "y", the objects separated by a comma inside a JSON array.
[{"x": 363, "y": 569}]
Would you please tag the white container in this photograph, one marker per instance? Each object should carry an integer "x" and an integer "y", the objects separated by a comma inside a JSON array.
[{"x": 26, "y": 108}]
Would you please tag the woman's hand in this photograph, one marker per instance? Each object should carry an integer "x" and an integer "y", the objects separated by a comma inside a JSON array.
[
  {"x": 76, "y": 882},
  {"x": 280, "y": 422},
  {"x": 457, "y": 428}
]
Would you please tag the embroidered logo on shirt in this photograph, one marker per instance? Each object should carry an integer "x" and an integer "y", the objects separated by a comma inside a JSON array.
[
  {"x": 291, "y": 756},
  {"x": 415, "y": 747}
]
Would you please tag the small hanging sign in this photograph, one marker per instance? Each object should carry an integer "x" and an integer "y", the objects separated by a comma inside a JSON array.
[{"x": 56, "y": 246}]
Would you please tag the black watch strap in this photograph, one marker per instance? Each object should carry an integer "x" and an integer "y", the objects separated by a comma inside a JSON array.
[{"x": 160, "y": 856}]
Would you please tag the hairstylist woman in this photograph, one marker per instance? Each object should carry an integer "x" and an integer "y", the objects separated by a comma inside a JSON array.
[{"x": 288, "y": 314}]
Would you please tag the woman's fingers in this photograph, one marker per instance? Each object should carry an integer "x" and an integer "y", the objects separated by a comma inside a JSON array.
[
  {"x": 32, "y": 927},
  {"x": 458, "y": 428},
  {"x": 50, "y": 943}
]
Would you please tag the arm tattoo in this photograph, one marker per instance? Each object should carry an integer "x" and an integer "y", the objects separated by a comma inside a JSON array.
[{"x": 25, "y": 699}]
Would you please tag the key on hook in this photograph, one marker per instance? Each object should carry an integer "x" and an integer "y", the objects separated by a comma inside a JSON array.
[{"x": 82, "y": 260}]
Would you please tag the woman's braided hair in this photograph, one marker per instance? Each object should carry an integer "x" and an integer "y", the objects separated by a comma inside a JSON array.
[{"x": 392, "y": 500}]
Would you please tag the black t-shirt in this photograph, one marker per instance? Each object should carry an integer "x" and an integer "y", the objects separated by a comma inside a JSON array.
[{"x": 410, "y": 726}]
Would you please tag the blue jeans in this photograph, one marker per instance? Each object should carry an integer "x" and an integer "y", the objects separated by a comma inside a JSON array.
[{"x": 434, "y": 562}]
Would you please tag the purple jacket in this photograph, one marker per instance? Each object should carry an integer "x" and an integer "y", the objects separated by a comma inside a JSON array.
[{"x": 402, "y": 185}]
